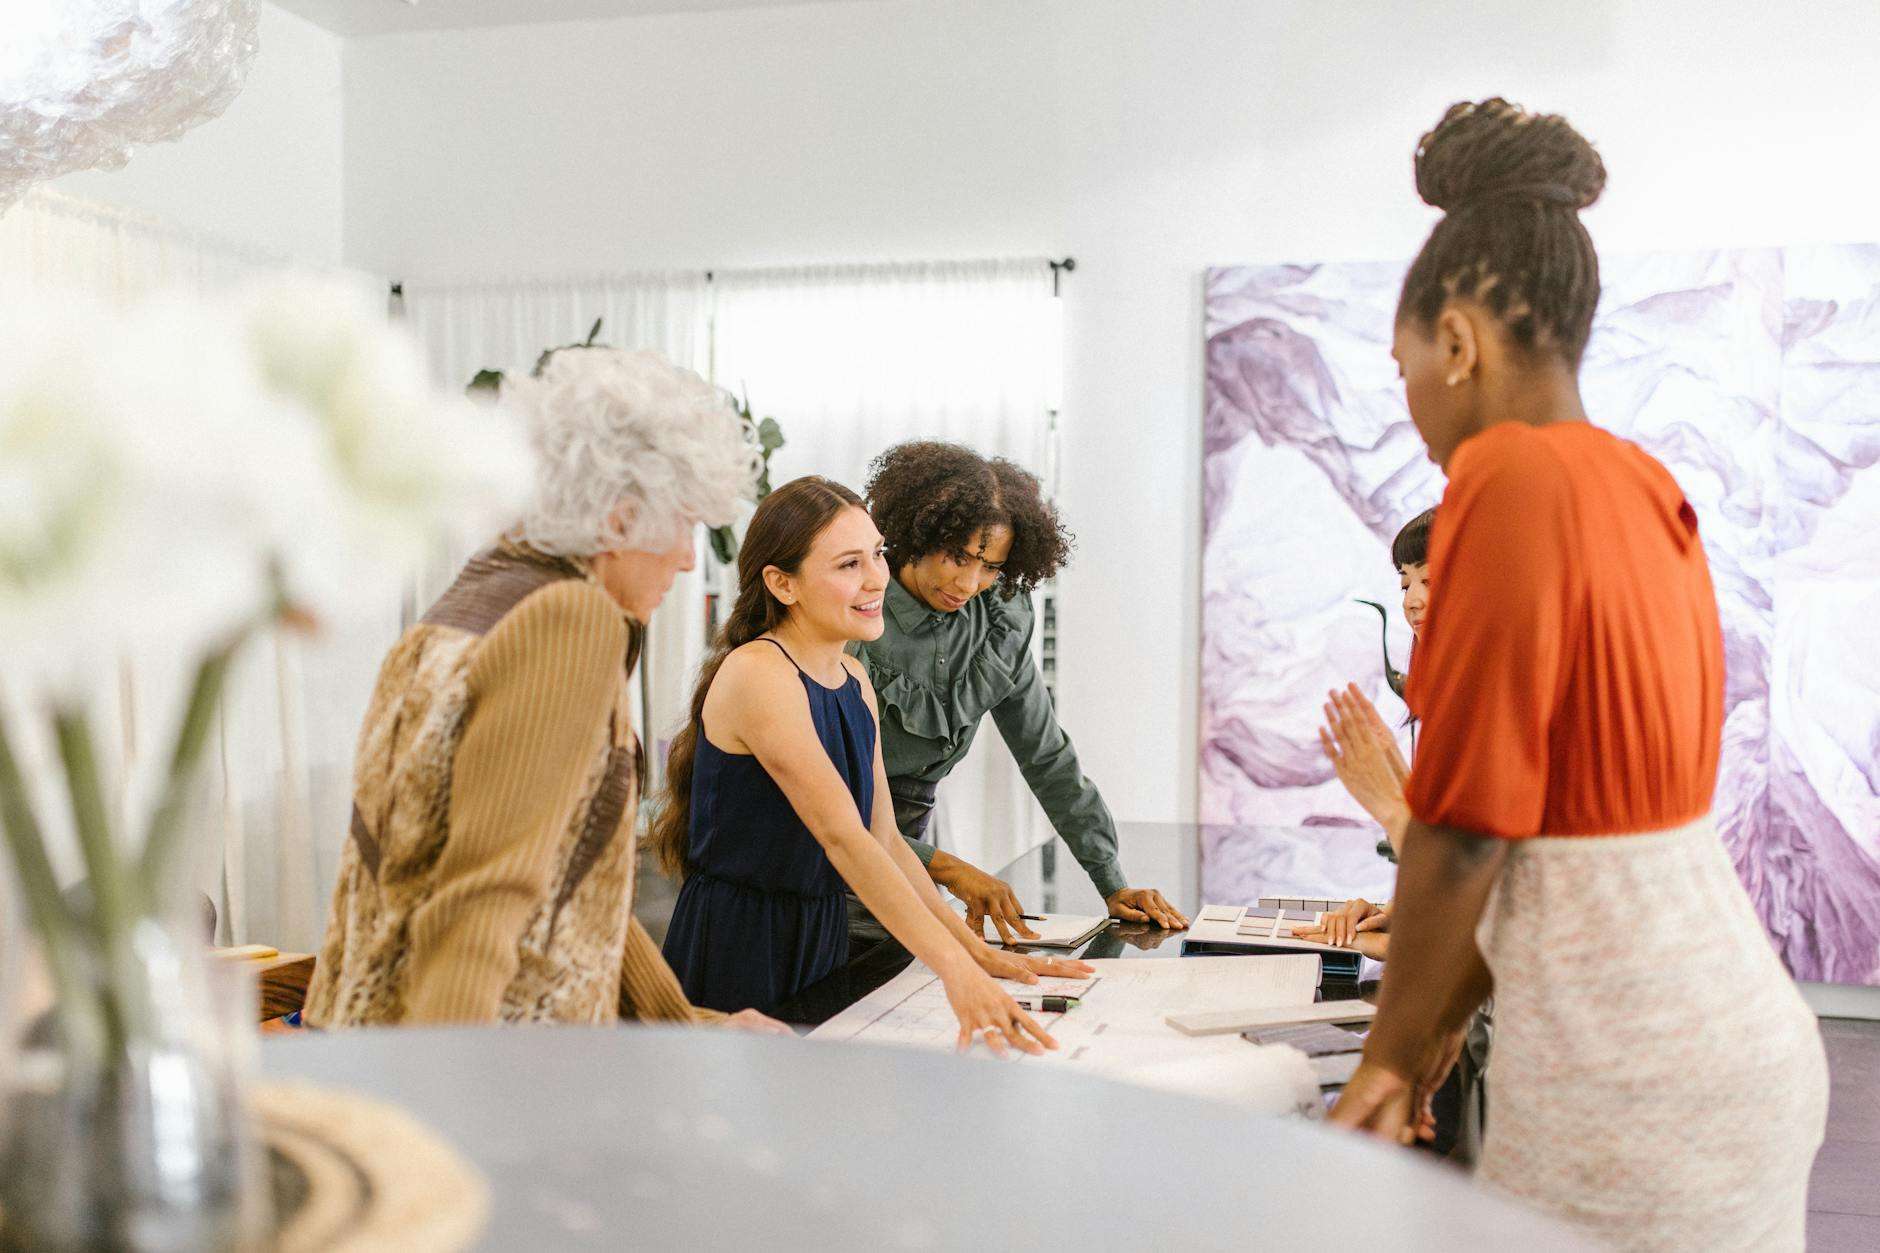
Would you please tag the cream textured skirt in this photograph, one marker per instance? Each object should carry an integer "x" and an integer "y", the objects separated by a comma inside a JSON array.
[{"x": 1657, "y": 1079}]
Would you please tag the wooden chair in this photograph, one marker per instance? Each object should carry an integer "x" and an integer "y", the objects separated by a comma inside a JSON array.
[{"x": 283, "y": 977}]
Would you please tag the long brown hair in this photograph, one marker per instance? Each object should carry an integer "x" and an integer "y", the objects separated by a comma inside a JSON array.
[{"x": 781, "y": 534}]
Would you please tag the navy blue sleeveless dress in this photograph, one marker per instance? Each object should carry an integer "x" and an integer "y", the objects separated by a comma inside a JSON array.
[{"x": 762, "y": 914}]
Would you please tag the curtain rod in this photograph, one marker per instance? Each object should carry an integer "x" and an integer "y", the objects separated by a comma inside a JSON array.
[{"x": 1059, "y": 268}]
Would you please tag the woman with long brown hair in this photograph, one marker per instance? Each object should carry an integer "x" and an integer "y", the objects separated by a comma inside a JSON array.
[{"x": 776, "y": 794}]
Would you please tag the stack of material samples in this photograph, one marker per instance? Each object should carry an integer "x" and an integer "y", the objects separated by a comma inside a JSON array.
[{"x": 1333, "y": 1050}]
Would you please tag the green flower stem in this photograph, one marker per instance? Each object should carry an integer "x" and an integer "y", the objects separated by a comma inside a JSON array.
[
  {"x": 166, "y": 825},
  {"x": 58, "y": 927},
  {"x": 114, "y": 907}
]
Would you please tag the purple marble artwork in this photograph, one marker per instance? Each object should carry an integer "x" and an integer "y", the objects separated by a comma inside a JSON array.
[{"x": 1753, "y": 374}]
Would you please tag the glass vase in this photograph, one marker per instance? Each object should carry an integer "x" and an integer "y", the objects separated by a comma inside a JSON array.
[{"x": 124, "y": 1123}]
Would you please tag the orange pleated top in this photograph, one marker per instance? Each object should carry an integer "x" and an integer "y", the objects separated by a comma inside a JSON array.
[{"x": 1569, "y": 678}]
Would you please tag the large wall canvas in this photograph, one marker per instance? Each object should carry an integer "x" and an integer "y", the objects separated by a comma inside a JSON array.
[{"x": 1753, "y": 374}]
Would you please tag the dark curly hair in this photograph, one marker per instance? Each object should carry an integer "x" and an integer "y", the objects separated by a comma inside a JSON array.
[
  {"x": 933, "y": 497},
  {"x": 1512, "y": 184}
]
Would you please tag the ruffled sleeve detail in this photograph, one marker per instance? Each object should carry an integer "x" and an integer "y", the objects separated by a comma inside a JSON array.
[
  {"x": 919, "y": 708},
  {"x": 951, "y": 712}
]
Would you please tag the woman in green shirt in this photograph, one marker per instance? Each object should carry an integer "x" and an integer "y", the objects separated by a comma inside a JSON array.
[{"x": 956, "y": 524}]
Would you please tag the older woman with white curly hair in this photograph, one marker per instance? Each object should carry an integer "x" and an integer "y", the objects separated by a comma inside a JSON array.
[{"x": 488, "y": 873}]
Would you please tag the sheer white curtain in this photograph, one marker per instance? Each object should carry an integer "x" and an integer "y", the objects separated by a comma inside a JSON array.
[
  {"x": 280, "y": 789},
  {"x": 55, "y": 240},
  {"x": 853, "y": 359},
  {"x": 506, "y": 326}
]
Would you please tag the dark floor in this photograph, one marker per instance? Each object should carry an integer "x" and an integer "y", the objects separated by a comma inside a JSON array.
[{"x": 1844, "y": 1199}]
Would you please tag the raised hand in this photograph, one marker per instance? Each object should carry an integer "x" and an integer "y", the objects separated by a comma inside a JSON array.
[{"x": 1365, "y": 756}]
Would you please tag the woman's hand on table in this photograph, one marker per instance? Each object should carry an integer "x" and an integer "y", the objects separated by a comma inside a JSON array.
[
  {"x": 1360, "y": 925},
  {"x": 1385, "y": 1104},
  {"x": 1372, "y": 944},
  {"x": 1340, "y": 926},
  {"x": 1027, "y": 967},
  {"x": 1382, "y": 1103},
  {"x": 988, "y": 1015},
  {"x": 1343, "y": 926},
  {"x": 1145, "y": 905},
  {"x": 757, "y": 1024},
  {"x": 985, "y": 896}
]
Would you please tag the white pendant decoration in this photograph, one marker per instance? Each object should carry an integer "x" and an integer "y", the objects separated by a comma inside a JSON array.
[{"x": 82, "y": 82}]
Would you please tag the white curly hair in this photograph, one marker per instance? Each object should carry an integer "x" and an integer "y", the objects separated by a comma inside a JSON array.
[{"x": 631, "y": 452}]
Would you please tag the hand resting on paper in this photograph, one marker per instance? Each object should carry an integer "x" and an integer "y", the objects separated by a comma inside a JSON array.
[
  {"x": 1027, "y": 967},
  {"x": 988, "y": 1016}
]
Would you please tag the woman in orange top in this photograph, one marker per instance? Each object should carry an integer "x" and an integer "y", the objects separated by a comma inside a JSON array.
[{"x": 1657, "y": 1078}]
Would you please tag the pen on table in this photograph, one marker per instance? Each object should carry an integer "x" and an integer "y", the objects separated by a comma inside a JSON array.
[{"x": 1047, "y": 1004}]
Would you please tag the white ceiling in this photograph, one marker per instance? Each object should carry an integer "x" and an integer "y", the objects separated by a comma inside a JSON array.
[{"x": 374, "y": 17}]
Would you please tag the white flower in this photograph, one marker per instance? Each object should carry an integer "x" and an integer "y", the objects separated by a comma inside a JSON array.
[
  {"x": 133, "y": 498},
  {"x": 159, "y": 470},
  {"x": 412, "y": 464}
]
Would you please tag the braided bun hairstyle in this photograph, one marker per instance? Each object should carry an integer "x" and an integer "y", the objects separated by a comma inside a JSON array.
[
  {"x": 1512, "y": 184},
  {"x": 781, "y": 534}
]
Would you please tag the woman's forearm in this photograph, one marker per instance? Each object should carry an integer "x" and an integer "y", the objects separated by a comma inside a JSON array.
[
  {"x": 921, "y": 880},
  {"x": 1396, "y": 823},
  {"x": 1435, "y": 976},
  {"x": 893, "y": 895}
]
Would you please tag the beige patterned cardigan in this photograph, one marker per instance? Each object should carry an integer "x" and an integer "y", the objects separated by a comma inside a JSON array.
[{"x": 489, "y": 873}]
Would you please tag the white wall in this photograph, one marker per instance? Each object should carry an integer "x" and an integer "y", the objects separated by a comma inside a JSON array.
[
  {"x": 1149, "y": 140},
  {"x": 267, "y": 173}
]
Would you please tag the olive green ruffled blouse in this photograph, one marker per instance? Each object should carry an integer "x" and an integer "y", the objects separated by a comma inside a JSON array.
[{"x": 937, "y": 675}]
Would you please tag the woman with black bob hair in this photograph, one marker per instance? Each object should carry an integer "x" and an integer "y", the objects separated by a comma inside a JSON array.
[{"x": 958, "y": 525}]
